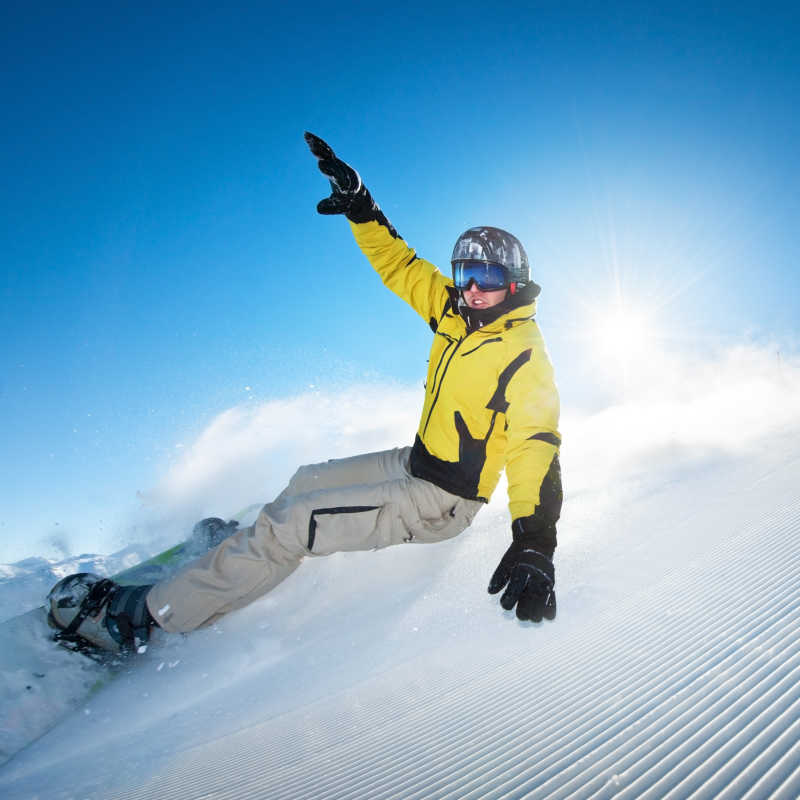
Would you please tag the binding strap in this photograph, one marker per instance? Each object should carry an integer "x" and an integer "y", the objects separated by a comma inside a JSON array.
[
  {"x": 94, "y": 601},
  {"x": 128, "y": 617}
]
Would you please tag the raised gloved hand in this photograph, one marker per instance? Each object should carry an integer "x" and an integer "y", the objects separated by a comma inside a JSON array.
[
  {"x": 529, "y": 578},
  {"x": 345, "y": 181},
  {"x": 349, "y": 196}
]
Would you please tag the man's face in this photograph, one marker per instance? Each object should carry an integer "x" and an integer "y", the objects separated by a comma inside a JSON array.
[{"x": 475, "y": 298}]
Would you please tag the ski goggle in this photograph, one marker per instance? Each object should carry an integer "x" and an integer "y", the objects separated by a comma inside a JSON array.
[{"x": 487, "y": 277}]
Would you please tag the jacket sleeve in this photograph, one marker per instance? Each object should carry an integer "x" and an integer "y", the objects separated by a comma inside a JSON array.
[
  {"x": 415, "y": 280},
  {"x": 533, "y": 441}
]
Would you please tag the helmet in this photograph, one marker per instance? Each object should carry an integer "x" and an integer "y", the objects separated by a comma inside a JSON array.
[{"x": 494, "y": 246}]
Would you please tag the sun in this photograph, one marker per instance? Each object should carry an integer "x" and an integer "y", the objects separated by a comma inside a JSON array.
[
  {"x": 625, "y": 340},
  {"x": 623, "y": 334}
]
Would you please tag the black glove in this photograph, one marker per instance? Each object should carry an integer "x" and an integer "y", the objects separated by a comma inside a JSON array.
[
  {"x": 345, "y": 181},
  {"x": 530, "y": 576},
  {"x": 349, "y": 196}
]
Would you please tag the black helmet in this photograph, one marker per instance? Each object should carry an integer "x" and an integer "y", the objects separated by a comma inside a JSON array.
[{"x": 494, "y": 246}]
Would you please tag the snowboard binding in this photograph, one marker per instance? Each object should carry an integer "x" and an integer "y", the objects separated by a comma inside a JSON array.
[{"x": 96, "y": 616}]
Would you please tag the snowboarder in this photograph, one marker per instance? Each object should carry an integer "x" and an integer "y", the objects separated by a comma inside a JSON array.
[{"x": 490, "y": 404}]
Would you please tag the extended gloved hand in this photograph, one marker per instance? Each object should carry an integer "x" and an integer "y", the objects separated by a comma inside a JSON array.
[
  {"x": 345, "y": 181},
  {"x": 349, "y": 196},
  {"x": 530, "y": 579}
]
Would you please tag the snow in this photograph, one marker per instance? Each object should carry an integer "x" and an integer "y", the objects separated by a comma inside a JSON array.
[
  {"x": 671, "y": 671},
  {"x": 24, "y": 584}
]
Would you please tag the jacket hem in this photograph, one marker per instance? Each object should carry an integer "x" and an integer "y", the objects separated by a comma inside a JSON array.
[{"x": 443, "y": 474}]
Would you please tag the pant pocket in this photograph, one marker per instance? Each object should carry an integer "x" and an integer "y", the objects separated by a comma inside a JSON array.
[
  {"x": 453, "y": 521},
  {"x": 331, "y": 530}
]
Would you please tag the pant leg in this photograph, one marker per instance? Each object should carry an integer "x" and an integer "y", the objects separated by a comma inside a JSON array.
[
  {"x": 366, "y": 502},
  {"x": 366, "y": 469}
]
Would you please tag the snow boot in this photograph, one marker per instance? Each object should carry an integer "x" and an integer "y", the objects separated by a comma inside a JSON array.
[{"x": 93, "y": 613}]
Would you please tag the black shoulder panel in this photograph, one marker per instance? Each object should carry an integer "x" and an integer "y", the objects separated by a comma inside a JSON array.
[{"x": 434, "y": 323}]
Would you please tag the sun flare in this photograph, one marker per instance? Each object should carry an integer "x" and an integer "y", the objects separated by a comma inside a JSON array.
[{"x": 624, "y": 338}]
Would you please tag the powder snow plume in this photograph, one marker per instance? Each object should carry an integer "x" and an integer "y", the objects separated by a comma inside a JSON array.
[
  {"x": 247, "y": 453},
  {"x": 675, "y": 411}
]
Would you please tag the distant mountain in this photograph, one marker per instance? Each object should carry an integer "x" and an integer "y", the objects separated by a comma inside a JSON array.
[{"x": 25, "y": 584}]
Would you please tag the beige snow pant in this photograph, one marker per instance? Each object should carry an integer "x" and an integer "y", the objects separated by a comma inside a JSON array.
[{"x": 360, "y": 503}]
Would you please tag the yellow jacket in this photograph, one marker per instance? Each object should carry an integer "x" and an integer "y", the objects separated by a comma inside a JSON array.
[{"x": 490, "y": 396}]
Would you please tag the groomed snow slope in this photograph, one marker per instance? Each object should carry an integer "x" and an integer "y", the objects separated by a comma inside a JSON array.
[{"x": 672, "y": 671}]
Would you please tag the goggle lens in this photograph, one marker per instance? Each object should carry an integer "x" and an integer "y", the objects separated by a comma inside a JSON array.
[{"x": 487, "y": 277}]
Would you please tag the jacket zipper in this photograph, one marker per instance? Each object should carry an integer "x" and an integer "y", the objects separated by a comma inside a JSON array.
[
  {"x": 441, "y": 381},
  {"x": 478, "y": 347},
  {"x": 450, "y": 342}
]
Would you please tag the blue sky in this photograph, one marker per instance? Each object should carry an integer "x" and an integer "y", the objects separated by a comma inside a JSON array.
[{"x": 162, "y": 260}]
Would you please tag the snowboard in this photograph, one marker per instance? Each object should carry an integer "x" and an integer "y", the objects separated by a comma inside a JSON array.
[{"x": 43, "y": 679}]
